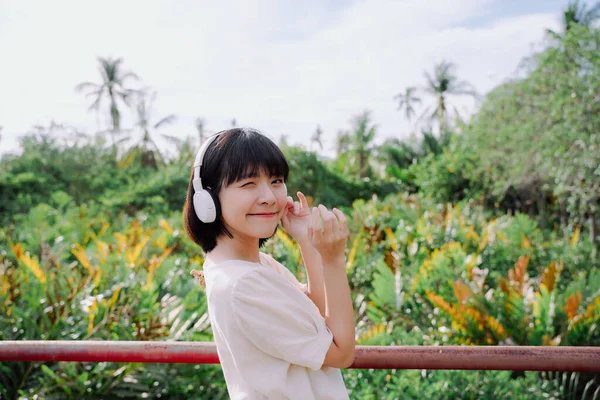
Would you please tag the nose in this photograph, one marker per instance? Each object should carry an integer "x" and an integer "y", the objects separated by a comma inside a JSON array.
[{"x": 266, "y": 195}]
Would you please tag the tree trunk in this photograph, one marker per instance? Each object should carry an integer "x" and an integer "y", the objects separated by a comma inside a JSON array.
[
  {"x": 563, "y": 219},
  {"x": 541, "y": 199},
  {"x": 442, "y": 108}
]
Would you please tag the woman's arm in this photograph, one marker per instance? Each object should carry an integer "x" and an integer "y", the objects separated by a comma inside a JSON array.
[
  {"x": 314, "y": 271},
  {"x": 296, "y": 221},
  {"x": 329, "y": 238}
]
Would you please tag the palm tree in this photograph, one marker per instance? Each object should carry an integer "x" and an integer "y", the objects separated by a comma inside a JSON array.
[
  {"x": 316, "y": 137},
  {"x": 112, "y": 88},
  {"x": 361, "y": 141},
  {"x": 283, "y": 141},
  {"x": 577, "y": 13},
  {"x": 441, "y": 84},
  {"x": 406, "y": 101},
  {"x": 149, "y": 153},
  {"x": 200, "y": 128},
  {"x": 342, "y": 142}
]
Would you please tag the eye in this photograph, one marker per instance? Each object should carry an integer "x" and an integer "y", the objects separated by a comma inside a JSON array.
[
  {"x": 278, "y": 181},
  {"x": 248, "y": 184}
]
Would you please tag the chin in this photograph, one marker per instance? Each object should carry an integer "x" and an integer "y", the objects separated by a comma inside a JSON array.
[{"x": 269, "y": 236}]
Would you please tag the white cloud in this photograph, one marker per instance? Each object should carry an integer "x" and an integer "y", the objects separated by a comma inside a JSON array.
[{"x": 275, "y": 66}]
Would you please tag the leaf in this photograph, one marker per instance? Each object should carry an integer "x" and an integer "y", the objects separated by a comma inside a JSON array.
[
  {"x": 165, "y": 225},
  {"x": 31, "y": 263},
  {"x": 79, "y": 253},
  {"x": 462, "y": 292},
  {"x": 517, "y": 275},
  {"x": 549, "y": 276},
  {"x": 572, "y": 305},
  {"x": 496, "y": 328},
  {"x": 384, "y": 288},
  {"x": 575, "y": 237},
  {"x": 352, "y": 255}
]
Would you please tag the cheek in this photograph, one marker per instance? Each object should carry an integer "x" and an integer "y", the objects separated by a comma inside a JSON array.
[{"x": 282, "y": 202}]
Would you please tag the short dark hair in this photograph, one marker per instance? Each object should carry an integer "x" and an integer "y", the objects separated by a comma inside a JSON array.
[{"x": 236, "y": 154}]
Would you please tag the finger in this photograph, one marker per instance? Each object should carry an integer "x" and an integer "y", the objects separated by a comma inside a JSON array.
[
  {"x": 303, "y": 201},
  {"x": 284, "y": 219},
  {"x": 195, "y": 274},
  {"x": 328, "y": 220},
  {"x": 315, "y": 221},
  {"x": 343, "y": 222},
  {"x": 296, "y": 207}
]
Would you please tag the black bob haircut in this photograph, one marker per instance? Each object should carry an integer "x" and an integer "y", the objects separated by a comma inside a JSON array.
[{"x": 237, "y": 154}]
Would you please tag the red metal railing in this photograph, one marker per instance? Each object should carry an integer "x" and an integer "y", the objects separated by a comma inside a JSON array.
[{"x": 516, "y": 358}]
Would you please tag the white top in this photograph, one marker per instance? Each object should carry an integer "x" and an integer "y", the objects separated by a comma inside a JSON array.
[{"x": 270, "y": 337}]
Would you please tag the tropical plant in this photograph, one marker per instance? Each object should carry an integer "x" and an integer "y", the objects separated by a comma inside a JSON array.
[
  {"x": 112, "y": 88},
  {"x": 536, "y": 136},
  {"x": 359, "y": 145},
  {"x": 442, "y": 84},
  {"x": 342, "y": 142},
  {"x": 146, "y": 150},
  {"x": 317, "y": 137},
  {"x": 200, "y": 128},
  {"x": 577, "y": 13},
  {"x": 90, "y": 279},
  {"x": 407, "y": 100}
]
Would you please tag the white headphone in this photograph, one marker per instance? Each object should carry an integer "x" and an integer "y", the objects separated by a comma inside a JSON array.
[{"x": 204, "y": 205}]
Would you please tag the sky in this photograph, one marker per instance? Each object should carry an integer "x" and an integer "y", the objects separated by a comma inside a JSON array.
[{"x": 282, "y": 67}]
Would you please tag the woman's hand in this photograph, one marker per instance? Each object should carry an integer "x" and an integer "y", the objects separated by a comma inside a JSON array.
[
  {"x": 328, "y": 233},
  {"x": 296, "y": 218}
]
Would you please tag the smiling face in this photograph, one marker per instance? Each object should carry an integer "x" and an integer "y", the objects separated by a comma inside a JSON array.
[
  {"x": 252, "y": 207},
  {"x": 238, "y": 168}
]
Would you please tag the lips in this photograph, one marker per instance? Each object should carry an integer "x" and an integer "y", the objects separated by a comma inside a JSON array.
[{"x": 263, "y": 215}]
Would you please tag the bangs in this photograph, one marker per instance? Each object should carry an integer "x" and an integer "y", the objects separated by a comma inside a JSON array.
[{"x": 248, "y": 155}]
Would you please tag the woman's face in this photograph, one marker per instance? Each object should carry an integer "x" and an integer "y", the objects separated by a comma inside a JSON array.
[{"x": 252, "y": 207}]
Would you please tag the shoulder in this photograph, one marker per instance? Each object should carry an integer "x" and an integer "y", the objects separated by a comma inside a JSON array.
[
  {"x": 261, "y": 281},
  {"x": 283, "y": 271}
]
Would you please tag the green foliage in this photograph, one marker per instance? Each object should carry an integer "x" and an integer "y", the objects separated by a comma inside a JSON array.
[
  {"x": 312, "y": 177},
  {"x": 122, "y": 281},
  {"x": 411, "y": 384},
  {"x": 46, "y": 167},
  {"x": 91, "y": 246},
  {"x": 444, "y": 176},
  {"x": 538, "y": 134}
]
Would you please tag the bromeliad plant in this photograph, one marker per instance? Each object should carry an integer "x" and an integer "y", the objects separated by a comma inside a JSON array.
[
  {"x": 114, "y": 283},
  {"x": 444, "y": 271},
  {"x": 524, "y": 310}
]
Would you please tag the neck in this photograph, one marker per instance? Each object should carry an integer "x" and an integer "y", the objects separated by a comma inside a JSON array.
[{"x": 235, "y": 248}]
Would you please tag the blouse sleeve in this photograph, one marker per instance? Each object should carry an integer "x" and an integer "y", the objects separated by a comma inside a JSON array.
[
  {"x": 280, "y": 320},
  {"x": 285, "y": 272}
]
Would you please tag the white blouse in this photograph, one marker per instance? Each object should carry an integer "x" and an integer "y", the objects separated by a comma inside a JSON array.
[{"x": 270, "y": 337}]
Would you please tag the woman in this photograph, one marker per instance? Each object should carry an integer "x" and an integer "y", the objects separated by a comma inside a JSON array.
[{"x": 276, "y": 338}]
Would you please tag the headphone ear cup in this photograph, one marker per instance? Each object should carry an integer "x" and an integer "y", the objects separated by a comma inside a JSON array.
[{"x": 204, "y": 206}]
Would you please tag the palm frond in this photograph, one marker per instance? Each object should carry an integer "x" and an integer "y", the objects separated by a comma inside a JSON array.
[
  {"x": 169, "y": 119},
  {"x": 87, "y": 85}
]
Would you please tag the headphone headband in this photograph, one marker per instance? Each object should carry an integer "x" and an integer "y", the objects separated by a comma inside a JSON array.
[{"x": 197, "y": 182}]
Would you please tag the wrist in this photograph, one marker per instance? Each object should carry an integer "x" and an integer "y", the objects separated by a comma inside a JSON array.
[
  {"x": 304, "y": 242},
  {"x": 334, "y": 261}
]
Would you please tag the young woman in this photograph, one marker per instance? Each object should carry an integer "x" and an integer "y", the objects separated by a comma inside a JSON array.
[{"x": 276, "y": 338}]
